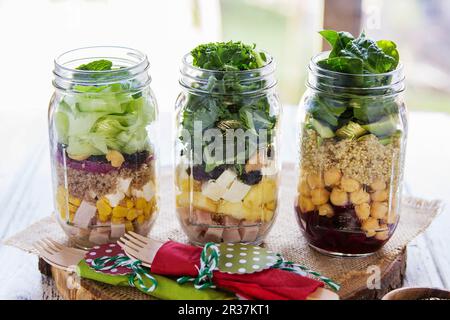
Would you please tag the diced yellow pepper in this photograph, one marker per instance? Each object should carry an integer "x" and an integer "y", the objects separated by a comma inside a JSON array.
[
  {"x": 140, "y": 219},
  {"x": 72, "y": 208},
  {"x": 129, "y": 226},
  {"x": 104, "y": 209},
  {"x": 129, "y": 203},
  {"x": 103, "y": 218},
  {"x": 140, "y": 203},
  {"x": 271, "y": 205},
  {"x": 132, "y": 214},
  {"x": 74, "y": 201},
  {"x": 116, "y": 220},
  {"x": 119, "y": 212}
]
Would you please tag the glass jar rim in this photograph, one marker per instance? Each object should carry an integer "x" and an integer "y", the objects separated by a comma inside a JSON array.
[
  {"x": 194, "y": 78},
  {"x": 268, "y": 67},
  {"x": 324, "y": 54},
  {"x": 340, "y": 83},
  {"x": 65, "y": 73}
]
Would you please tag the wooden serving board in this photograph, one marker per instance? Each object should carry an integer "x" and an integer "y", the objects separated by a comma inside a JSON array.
[
  {"x": 285, "y": 238},
  {"x": 391, "y": 278}
]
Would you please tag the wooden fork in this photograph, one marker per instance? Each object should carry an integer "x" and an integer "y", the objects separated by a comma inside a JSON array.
[
  {"x": 140, "y": 247},
  {"x": 58, "y": 255},
  {"x": 144, "y": 249}
]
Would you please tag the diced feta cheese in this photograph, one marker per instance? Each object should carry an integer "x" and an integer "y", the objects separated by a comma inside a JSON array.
[
  {"x": 213, "y": 190},
  {"x": 123, "y": 184},
  {"x": 117, "y": 230},
  {"x": 147, "y": 192},
  {"x": 84, "y": 214},
  {"x": 115, "y": 198},
  {"x": 236, "y": 192},
  {"x": 226, "y": 178}
]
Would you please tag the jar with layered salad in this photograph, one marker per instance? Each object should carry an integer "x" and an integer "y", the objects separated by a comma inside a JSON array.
[
  {"x": 226, "y": 170},
  {"x": 352, "y": 146},
  {"x": 102, "y": 128}
]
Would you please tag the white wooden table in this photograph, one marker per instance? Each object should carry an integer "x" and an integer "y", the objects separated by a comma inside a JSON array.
[{"x": 25, "y": 195}]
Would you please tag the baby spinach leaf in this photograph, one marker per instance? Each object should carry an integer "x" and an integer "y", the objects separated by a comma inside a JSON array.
[
  {"x": 343, "y": 64},
  {"x": 337, "y": 40}
]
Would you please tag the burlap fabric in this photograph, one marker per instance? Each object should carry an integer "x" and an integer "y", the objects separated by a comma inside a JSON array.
[{"x": 285, "y": 238}]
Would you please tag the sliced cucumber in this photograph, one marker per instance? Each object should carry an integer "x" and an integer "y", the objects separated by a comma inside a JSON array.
[{"x": 324, "y": 131}]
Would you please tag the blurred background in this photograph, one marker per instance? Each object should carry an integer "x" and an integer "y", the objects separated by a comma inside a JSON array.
[{"x": 34, "y": 32}]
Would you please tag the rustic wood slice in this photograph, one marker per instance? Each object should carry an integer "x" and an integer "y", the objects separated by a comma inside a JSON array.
[{"x": 391, "y": 278}]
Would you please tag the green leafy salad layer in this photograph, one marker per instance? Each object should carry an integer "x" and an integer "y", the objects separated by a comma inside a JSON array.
[
  {"x": 94, "y": 119},
  {"x": 347, "y": 111},
  {"x": 223, "y": 100}
]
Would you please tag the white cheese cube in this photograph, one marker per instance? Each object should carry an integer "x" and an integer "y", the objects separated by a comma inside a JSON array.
[
  {"x": 226, "y": 178},
  {"x": 147, "y": 192},
  {"x": 236, "y": 192},
  {"x": 123, "y": 185},
  {"x": 213, "y": 190},
  {"x": 115, "y": 198},
  {"x": 84, "y": 214}
]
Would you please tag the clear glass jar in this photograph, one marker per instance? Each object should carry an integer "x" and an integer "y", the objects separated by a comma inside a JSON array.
[
  {"x": 352, "y": 147},
  {"x": 226, "y": 153},
  {"x": 102, "y": 129}
]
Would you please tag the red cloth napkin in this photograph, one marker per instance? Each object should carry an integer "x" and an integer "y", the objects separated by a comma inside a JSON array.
[{"x": 177, "y": 259}]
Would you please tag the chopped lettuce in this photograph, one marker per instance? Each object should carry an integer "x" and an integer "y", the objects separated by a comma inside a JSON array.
[{"x": 100, "y": 118}]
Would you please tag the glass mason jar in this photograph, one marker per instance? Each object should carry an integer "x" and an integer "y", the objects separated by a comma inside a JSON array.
[
  {"x": 352, "y": 147},
  {"x": 226, "y": 153},
  {"x": 102, "y": 128}
]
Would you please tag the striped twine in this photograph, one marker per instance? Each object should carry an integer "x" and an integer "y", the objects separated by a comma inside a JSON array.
[
  {"x": 101, "y": 264},
  {"x": 304, "y": 271},
  {"x": 209, "y": 259}
]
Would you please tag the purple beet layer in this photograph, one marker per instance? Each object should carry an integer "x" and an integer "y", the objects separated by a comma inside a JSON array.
[
  {"x": 99, "y": 164},
  {"x": 341, "y": 233}
]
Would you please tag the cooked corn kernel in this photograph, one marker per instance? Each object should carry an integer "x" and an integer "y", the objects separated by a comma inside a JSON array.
[
  {"x": 141, "y": 203},
  {"x": 117, "y": 220},
  {"x": 132, "y": 214},
  {"x": 129, "y": 226},
  {"x": 103, "y": 207},
  {"x": 74, "y": 201},
  {"x": 115, "y": 157},
  {"x": 119, "y": 212},
  {"x": 140, "y": 219}
]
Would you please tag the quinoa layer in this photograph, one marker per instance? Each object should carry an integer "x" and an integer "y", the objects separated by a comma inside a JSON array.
[
  {"x": 88, "y": 185},
  {"x": 364, "y": 160}
]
